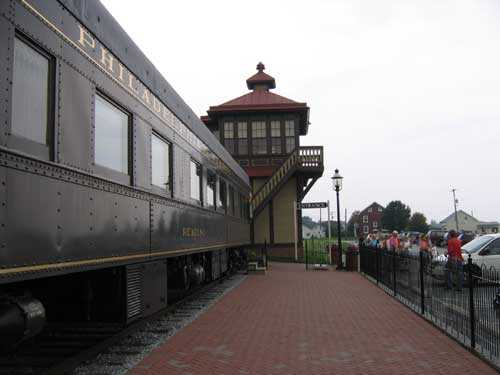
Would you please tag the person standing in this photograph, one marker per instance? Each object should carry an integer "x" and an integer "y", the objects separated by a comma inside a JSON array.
[
  {"x": 394, "y": 241},
  {"x": 425, "y": 249},
  {"x": 454, "y": 265}
]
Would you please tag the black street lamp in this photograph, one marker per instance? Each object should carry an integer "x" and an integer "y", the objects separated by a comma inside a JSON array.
[{"x": 337, "y": 185}]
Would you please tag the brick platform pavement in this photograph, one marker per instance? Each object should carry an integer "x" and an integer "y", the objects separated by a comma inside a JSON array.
[{"x": 316, "y": 322}]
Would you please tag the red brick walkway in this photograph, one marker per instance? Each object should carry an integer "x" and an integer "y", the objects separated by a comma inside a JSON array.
[{"x": 316, "y": 322}]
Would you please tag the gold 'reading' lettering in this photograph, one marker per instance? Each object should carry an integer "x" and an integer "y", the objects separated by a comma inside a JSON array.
[
  {"x": 107, "y": 59},
  {"x": 120, "y": 71},
  {"x": 86, "y": 38},
  {"x": 130, "y": 83},
  {"x": 145, "y": 95},
  {"x": 193, "y": 232},
  {"x": 156, "y": 104}
]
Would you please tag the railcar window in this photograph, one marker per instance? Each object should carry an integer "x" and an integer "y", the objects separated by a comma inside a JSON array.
[
  {"x": 30, "y": 93},
  {"x": 237, "y": 204},
  {"x": 230, "y": 201},
  {"x": 111, "y": 135},
  {"x": 160, "y": 162},
  {"x": 195, "y": 181},
  {"x": 211, "y": 182},
  {"x": 222, "y": 202}
]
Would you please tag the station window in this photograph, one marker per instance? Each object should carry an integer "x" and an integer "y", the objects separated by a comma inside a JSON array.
[
  {"x": 211, "y": 191},
  {"x": 195, "y": 181},
  {"x": 229, "y": 136},
  {"x": 259, "y": 140},
  {"x": 366, "y": 229},
  {"x": 275, "y": 137},
  {"x": 31, "y": 93},
  {"x": 365, "y": 218},
  {"x": 160, "y": 162},
  {"x": 375, "y": 224},
  {"x": 111, "y": 135},
  {"x": 242, "y": 138},
  {"x": 289, "y": 136}
]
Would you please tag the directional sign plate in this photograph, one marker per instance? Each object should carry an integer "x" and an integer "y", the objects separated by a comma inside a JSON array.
[{"x": 312, "y": 205}]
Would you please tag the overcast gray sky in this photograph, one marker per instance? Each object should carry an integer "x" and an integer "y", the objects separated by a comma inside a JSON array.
[{"x": 404, "y": 95}]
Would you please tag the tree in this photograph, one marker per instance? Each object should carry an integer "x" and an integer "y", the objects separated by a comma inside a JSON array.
[
  {"x": 352, "y": 220},
  {"x": 418, "y": 223},
  {"x": 396, "y": 216},
  {"x": 308, "y": 222}
]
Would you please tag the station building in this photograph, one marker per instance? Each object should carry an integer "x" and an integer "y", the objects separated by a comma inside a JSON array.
[{"x": 263, "y": 130}]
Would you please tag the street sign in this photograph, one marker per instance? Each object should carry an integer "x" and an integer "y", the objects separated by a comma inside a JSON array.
[{"x": 312, "y": 205}]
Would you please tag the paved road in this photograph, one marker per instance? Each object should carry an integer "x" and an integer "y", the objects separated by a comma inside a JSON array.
[{"x": 317, "y": 322}]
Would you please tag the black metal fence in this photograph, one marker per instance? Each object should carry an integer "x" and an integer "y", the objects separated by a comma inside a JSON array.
[
  {"x": 471, "y": 314},
  {"x": 316, "y": 253}
]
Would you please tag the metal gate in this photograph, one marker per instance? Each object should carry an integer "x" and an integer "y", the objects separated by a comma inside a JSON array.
[{"x": 316, "y": 254}]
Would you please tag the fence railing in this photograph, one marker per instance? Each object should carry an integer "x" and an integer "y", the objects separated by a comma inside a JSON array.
[{"x": 471, "y": 314}]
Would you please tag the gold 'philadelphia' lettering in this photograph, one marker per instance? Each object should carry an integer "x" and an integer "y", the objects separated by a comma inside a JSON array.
[
  {"x": 117, "y": 70},
  {"x": 114, "y": 67}
]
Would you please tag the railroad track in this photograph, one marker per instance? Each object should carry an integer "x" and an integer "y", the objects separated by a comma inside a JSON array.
[{"x": 104, "y": 349}]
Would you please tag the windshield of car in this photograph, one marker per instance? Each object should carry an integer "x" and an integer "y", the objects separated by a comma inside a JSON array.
[{"x": 476, "y": 244}]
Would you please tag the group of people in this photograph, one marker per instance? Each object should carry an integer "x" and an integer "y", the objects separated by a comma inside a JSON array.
[
  {"x": 396, "y": 242},
  {"x": 399, "y": 244}
]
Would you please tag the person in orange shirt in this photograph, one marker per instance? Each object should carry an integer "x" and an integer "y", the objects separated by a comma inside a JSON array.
[{"x": 454, "y": 265}]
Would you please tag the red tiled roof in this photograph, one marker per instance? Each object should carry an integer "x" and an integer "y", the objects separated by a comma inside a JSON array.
[
  {"x": 258, "y": 99},
  {"x": 261, "y": 78}
]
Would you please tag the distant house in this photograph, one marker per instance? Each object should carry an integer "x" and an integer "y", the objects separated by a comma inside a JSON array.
[
  {"x": 316, "y": 231},
  {"x": 370, "y": 219},
  {"x": 487, "y": 227},
  {"x": 465, "y": 222}
]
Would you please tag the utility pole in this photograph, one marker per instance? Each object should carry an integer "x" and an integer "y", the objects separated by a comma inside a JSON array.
[{"x": 455, "y": 205}]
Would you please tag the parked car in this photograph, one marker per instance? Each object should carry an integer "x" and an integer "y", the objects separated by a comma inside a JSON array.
[{"x": 484, "y": 251}]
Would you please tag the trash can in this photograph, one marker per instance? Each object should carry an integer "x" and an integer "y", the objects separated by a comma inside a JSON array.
[{"x": 352, "y": 260}]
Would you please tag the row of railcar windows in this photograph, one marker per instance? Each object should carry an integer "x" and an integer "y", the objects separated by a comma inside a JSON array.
[{"x": 32, "y": 107}]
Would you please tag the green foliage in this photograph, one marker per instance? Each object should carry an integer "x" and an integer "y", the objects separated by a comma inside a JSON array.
[
  {"x": 352, "y": 220},
  {"x": 308, "y": 222},
  {"x": 418, "y": 223},
  {"x": 396, "y": 216}
]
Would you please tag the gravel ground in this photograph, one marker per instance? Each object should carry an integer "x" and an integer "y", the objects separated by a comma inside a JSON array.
[{"x": 122, "y": 356}]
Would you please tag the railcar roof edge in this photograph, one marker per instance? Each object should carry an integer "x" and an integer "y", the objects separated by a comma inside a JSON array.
[{"x": 112, "y": 34}]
